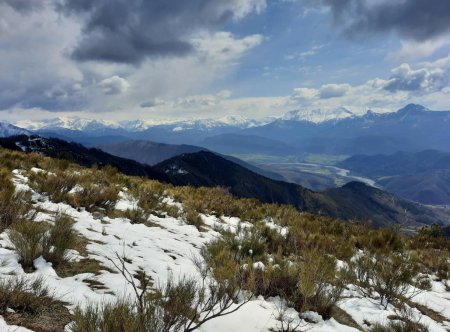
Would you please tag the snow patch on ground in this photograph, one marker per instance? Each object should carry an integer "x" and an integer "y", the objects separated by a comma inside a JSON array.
[
  {"x": 126, "y": 202},
  {"x": 11, "y": 328},
  {"x": 167, "y": 250}
]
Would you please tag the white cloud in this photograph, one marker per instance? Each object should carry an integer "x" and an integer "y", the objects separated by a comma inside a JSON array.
[
  {"x": 153, "y": 103},
  {"x": 223, "y": 48},
  {"x": 32, "y": 62},
  {"x": 413, "y": 50},
  {"x": 426, "y": 83},
  {"x": 245, "y": 7},
  {"x": 175, "y": 87},
  {"x": 304, "y": 94},
  {"x": 333, "y": 90},
  {"x": 114, "y": 85},
  {"x": 305, "y": 54},
  {"x": 404, "y": 78},
  {"x": 201, "y": 101},
  {"x": 48, "y": 78}
]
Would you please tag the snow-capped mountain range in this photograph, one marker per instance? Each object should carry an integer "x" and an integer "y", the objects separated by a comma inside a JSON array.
[
  {"x": 333, "y": 126},
  {"x": 84, "y": 124},
  {"x": 72, "y": 123}
]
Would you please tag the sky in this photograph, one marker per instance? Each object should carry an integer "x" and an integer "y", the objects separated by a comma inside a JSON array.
[{"x": 165, "y": 60}]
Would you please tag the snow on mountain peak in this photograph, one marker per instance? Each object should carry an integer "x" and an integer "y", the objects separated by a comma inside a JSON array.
[
  {"x": 72, "y": 123},
  {"x": 7, "y": 129},
  {"x": 315, "y": 115},
  {"x": 318, "y": 115},
  {"x": 82, "y": 124}
]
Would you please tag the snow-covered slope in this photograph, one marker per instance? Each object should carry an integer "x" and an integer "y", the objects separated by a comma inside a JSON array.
[
  {"x": 7, "y": 129},
  {"x": 166, "y": 248}
]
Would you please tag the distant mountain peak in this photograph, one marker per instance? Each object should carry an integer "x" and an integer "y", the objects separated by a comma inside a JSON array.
[
  {"x": 318, "y": 115},
  {"x": 413, "y": 108},
  {"x": 210, "y": 124},
  {"x": 7, "y": 129}
]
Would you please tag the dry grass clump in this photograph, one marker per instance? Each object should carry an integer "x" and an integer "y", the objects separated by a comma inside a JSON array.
[
  {"x": 14, "y": 206},
  {"x": 148, "y": 193},
  {"x": 95, "y": 196},
  {"x": 58, "y": 240},
  {"x": 136, "y": 215},
  {"x": 308, "y": 280},
  {"x": 13, "y": 159},
  {"x": 55, "y": 185},
  {"x": 34, "y": 305},
  {"x": 386, "y": 277},
  {"x": 96, "y": 188},
  {"x": 27, "y": 238},
  {"x": 432, "y": 249},
  {"x": 216, "y": 201},
  {"x": 99, "y": 189},
  {"x": 34, "y": 239},
  {"x": 398, "y": 326},
  {"x": 193, "y": 218}
]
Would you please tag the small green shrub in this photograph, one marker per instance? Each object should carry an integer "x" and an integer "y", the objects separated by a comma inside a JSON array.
[
  {"x": 277, "y": 279},
  {"x": 111, "y": 317},
  {"x": 390, "y": 276},
  {"x": 59, "y": 239},
  {"x": 320, "y": 283},
  {"x": 27, "y": 237},
  {"x": 135, "y": 215},
  {"x": 148, "y": 195},
  {"x": 34, "y": 239},
  {"x": 182, "y": 305},
  {"x": 193, "y": 218}
]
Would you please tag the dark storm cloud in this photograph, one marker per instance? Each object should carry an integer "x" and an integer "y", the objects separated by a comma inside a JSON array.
[
  {"x": 23, "y": 6},
  {"x": 413, "y": 19},
  {"x": 128, "y": 31}
]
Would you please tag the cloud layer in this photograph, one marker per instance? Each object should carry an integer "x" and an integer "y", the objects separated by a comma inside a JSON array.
[
  {"x": 413, "y": 19},
  {"x": 40, "y": 57},
  {"x": 133, "y": 30},
  {"x": 154, "y": 59}
]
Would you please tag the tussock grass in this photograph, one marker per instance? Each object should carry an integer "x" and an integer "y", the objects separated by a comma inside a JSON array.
[
  {"x": 291, "y": 262},
  {"x": 34, "y": 239},
  {"x": 58, "y": 240},
  {"x": 28, "y": 237},
  {"x": 34, "y": 305},
  {"x": 398, "y": 326},
  {"x": 14, "y": 206}
]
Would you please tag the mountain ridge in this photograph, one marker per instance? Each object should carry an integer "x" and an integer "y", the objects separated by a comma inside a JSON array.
[
  {"x": 208, "y": 169},
  {"x": 315, "y": 115}
]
